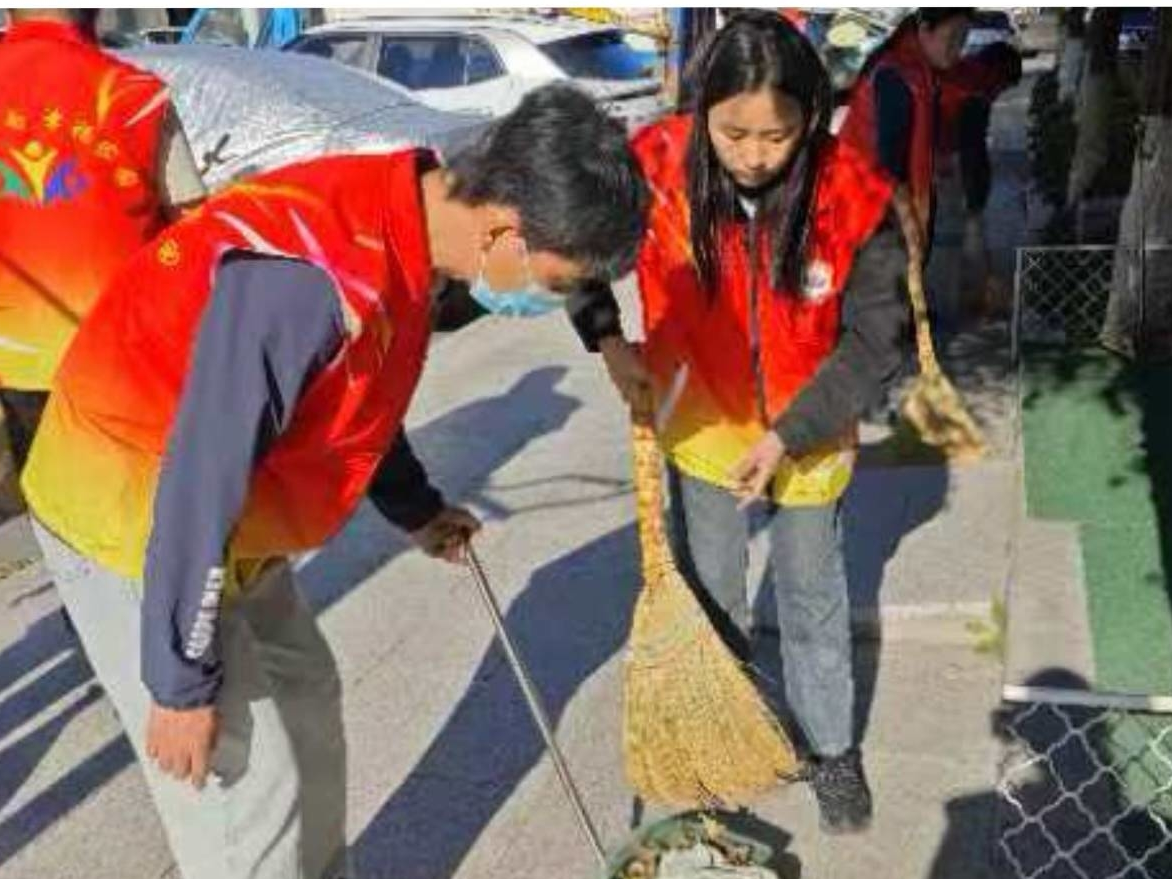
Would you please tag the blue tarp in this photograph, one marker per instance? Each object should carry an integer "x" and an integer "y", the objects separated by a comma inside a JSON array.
[{"x": 277, "y": 27}]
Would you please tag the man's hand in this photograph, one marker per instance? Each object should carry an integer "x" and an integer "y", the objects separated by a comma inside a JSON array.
[
  {"x": 624, "y": 363},
  {"x": 181, "y": 741},
  {"x": 752, "y": 475},
  {"x": 444, "y": 536}
]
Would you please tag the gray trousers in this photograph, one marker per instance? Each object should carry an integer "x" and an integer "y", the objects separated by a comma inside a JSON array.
[
  {"x": 275, "y": 806},
  {"x": 711, "y": 543}
]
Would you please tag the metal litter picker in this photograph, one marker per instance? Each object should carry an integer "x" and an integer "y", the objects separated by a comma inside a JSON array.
[
  {"x": 676, "y": 831},
  {"x": 536, "y": 708}
]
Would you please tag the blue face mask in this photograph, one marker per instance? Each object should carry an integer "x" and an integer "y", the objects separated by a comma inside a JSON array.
[{"x": 528, "y": 301}]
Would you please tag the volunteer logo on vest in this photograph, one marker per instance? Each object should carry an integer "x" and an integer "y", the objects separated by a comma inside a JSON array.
[
  {"x": 817, "y": 280},
  {"x": 77, "y": 153},
  {"x": 41, "y": 173}
]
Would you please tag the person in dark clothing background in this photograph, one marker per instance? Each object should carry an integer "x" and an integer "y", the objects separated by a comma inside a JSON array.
[
  {"x": 967, "y": 94},
  {"x": 893, "y": 114}
]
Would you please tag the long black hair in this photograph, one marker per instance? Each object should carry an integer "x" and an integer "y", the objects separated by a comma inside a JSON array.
[{"x": 755, "y": 50}]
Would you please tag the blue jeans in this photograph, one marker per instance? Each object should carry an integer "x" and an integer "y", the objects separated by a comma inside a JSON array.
[{"x": 711, "y": 542}]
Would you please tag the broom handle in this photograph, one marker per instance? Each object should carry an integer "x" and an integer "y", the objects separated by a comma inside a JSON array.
[
  {"x": 648, "y": 467},
  {"x": 929, "y": 365},
  {"x": 910, "y": 225},
  {"x": 536, "y": 708}
]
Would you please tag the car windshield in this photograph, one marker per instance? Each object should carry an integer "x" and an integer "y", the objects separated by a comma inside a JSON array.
[{"x": 600, "y": 55}]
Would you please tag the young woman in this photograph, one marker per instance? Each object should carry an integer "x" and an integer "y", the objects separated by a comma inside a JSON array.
[
  {"x": 773, "y": 314},
  {"x": 892, "y": 117}
]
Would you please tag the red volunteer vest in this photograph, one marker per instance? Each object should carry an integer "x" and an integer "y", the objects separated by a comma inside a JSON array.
[
  {"x": 861, "y": 131},
  {"x": 969, "y": 78},
  {"x": 711, "y": 333},
  {"x": 79, "y": 137},
  {"x": 360, "y": 219}
]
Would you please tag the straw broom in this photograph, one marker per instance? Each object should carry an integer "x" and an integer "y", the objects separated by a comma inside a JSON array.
[
  {"x": 696, "y": 732},
  {"x": 933, "y": 407}
]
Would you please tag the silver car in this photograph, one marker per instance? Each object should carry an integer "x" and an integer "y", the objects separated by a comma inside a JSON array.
[
  {"x": 488, "y": 63},
  {"x": 246, "y": 111}
]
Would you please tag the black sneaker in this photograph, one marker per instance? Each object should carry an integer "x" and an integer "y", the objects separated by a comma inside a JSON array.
[{"x": 844, "y": 800}]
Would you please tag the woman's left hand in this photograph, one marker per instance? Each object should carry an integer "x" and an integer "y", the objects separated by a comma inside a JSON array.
[
  {"x": 752, "y": 475},
  {"x": 628, "y": 373}
]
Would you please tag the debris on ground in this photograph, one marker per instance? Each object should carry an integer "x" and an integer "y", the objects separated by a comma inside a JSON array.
[{"x": 701, "y": 852}]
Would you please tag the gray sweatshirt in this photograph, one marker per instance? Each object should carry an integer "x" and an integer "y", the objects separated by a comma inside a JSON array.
[{"x": 270, "y": 326}]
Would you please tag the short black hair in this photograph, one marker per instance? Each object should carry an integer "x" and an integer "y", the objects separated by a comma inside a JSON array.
[
  {"x": 934, "y": 16},
  {"x": 569, "y": 171}
]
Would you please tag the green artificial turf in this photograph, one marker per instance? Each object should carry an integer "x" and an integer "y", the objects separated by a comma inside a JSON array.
[{"x": 1098, "y": 441}]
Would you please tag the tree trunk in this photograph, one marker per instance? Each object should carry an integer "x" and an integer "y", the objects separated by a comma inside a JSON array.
[
  {"x": 1071, "y": 53},
  {"x": 1139, "y": 312},
  {"x": 1093, "y": 107}
]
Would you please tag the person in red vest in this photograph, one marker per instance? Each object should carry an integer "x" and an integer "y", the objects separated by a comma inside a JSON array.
[
  {"x": 93, "y": 163},
  {"x": 967, "y": 94},
  {"x": 774, "y": 315},
  {"x": 892, "y": 115},
  {"x": 235, "y": 393},
  {"x": 968, "y": 91}
]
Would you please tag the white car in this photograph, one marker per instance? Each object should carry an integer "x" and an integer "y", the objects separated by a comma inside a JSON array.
[{"x": 488, "y": 63}]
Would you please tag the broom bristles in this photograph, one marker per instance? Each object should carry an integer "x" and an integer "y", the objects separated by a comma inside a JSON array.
[
  {"x": 696, "y": 732},
  {"x": 936, "y": 411},
  {"x": 933, "y": 407}
]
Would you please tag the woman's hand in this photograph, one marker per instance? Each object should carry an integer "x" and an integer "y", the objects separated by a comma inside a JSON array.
[
  {"x": 628, "y": 373},
  {"x": 752, "y": 475}
]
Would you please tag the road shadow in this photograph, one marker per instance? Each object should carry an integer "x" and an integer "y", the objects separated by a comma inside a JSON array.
[
  {"x": 881, "y": 508},
  {"x": 51, "y": 660},
  {"x": 460, "y": 449},
  {"x": 1081, "y": 792},
  {"x": 571, "y": 618}
]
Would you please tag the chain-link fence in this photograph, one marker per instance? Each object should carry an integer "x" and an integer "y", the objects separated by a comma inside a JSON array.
[
  {"x": 1061, "y": 294},
  {"x": 1075, "y": 295},
  {"x": 1085, "y": 793},
  {"x": 1085, "y": 787}
]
